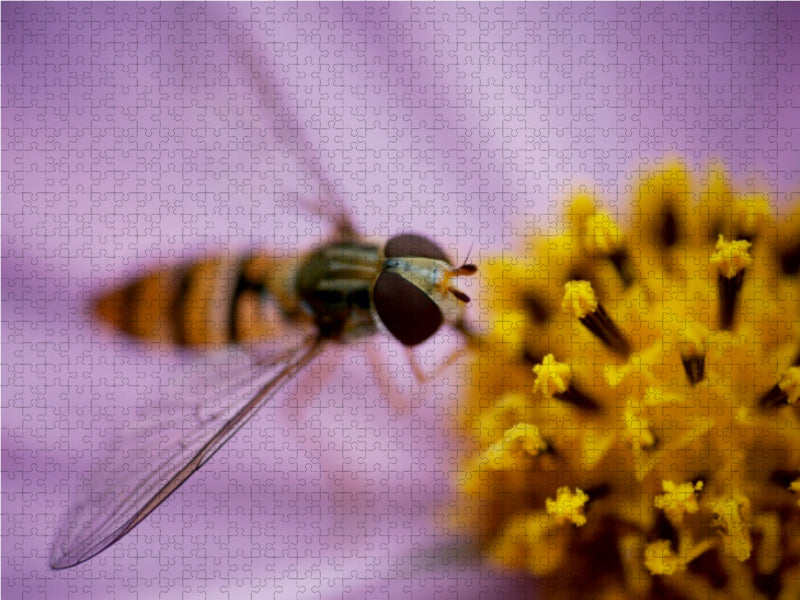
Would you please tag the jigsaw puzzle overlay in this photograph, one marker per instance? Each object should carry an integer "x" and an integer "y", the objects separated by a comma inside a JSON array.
[{"x": 140, "y": 135}]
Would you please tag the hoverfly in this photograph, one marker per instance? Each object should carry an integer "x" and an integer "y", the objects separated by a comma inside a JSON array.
[{"x": 345, "y": 290}]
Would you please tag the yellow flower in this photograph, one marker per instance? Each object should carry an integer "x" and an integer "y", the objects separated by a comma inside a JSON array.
[{"x": 634, "y": 412}]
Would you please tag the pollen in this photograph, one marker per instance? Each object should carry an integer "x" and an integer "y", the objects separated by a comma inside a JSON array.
[
  {"x": 660, "y": 559},
  {"x": 551, "y": 377},
  {"x": 678, "y": 500},
  {"x": 579, "y": 299},
  {"x": 731, "y": 258},
  {"x": 568, "y": 506},
  {"x": 633, "y": 419}
]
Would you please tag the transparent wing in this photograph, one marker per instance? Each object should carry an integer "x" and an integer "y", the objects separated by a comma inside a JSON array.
[{"x": 126, "y": 494}]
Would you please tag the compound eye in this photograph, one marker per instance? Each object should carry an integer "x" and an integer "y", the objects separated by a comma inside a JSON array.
[
  {"x": 411, "y": 245},
  {"x": 408, "y": 313}
]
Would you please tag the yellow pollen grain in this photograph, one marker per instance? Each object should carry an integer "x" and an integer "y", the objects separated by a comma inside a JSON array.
[
  {"x": 731, "y": 258},
  {"x": 551, "y": 376},
  {"x": 790, "y": 384},
  {"x": 678, "y": 499},
  {"x": 660, "y": 560},
  {"x": 579, "y": 299},
  {"x": 568, "y": 506}
]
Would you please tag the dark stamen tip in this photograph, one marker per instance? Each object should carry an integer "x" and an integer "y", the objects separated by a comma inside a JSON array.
[
  {"x": 702, "y": 478},
  {"x": 664, "y": 530},
  {"x": 534, "y": 307},
  {"x": 775, "y": 397},
  {"x": 783, "y": 478},
  {"x": 709, "y": 565},
  {"x": 549, "y": 449},
  {"x": 601, "y": 325},
  {"x": 695, "y": 368},
  {"x": 790, "y": 260},
  {"x": 729, "y": 288},
  {"x": 621, "y": 261},
  {"x": 669, "y": 230},
  {"x": 745, "y": 234},
  {"x": 574, "y": 396},
  {"x": 598, "y": 492},
  {"x": 529, "y": 358}
]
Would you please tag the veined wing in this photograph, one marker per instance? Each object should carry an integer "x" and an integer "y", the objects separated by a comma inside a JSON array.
[{"x": 128, "y": 495}]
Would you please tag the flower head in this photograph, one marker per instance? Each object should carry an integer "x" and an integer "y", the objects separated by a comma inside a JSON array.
[{"x": 634, "y": 407}]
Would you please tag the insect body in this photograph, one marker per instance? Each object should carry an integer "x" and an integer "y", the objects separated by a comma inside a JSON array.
[
  {"x": 346, "y": 290},
  {"x": 341, "y": 288}
]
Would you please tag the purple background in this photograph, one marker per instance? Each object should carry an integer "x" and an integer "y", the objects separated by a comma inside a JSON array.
[{"x": 137, "y": 133}]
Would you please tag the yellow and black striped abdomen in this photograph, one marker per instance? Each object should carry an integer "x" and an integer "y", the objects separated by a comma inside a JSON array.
[{"x": 211, "y": 302}]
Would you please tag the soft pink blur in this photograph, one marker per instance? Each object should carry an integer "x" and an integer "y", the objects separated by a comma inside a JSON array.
[{"x": 138, "y": 134}]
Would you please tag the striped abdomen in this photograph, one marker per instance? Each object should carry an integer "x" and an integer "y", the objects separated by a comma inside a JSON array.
[{"x": 215, "y": 301}]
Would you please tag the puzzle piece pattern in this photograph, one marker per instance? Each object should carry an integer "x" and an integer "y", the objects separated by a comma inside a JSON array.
[{"x": 139, "y": 134}]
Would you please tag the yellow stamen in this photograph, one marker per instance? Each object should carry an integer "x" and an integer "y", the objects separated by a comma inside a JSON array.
[
  {"x": 568, "y": 506},
  {"x": 731, "y": 258},
  {"x": 660, "y": 560},
  {"x": 579, "y": 299},
  {"x": 551, "y": 376},
  {"x": 678, "y": 500},
  {"x": 685, "y": 441}
]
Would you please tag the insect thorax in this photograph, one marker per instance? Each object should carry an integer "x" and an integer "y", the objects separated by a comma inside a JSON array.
[{"x": 334, "y": 285}]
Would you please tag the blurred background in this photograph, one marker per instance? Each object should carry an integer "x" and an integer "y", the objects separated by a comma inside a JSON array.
[{"x": 141, "y": 134}]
